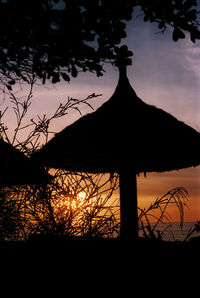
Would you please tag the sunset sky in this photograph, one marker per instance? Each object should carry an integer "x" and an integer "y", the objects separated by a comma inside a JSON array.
[{"x": 165, "y": 74}]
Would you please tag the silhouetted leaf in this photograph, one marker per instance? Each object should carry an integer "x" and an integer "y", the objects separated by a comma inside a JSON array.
[
  {"x": 181, "y": 34},
  {"x": 18, "y": 73},
  {"x": 44, "y": 78},
  {"x": 74, "y": 71},
  {"x": 65, "y": 76},
  {"x": 9, "y": 87},
  {"x": 56, "y": 78},
  {"x": 12, "y": 82},
  {"x": 195, "y": 34},
  {"x": 177, "y": 33}
]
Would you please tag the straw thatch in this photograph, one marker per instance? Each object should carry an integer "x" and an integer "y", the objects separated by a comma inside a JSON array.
[
  {"x": 127, "y": 136},
  {"x": 17, "y": 169},
  {"x": 124, "y": 133}
]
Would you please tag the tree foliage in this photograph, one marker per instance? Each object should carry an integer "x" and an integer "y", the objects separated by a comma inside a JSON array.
[{"x": 55, "y": 39}]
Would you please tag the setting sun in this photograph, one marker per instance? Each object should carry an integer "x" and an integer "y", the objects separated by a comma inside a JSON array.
[
  {"x": 81, "y": 196},
  {"x": 67, "y": 202}
]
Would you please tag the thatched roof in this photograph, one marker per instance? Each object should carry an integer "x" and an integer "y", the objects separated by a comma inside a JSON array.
[
  {"x": 17, "y": 169},
  {"x": 126, "y": 133}
]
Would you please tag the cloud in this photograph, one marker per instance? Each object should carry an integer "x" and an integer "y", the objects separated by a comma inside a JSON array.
[
  {"x": 164, "y": 73},
  {"x": 192, "y": 55}
]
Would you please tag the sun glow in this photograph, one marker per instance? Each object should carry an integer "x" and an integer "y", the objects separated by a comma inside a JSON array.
[
  {"x": 68, "y": 202},
  {"x": 79, "y": 200}
]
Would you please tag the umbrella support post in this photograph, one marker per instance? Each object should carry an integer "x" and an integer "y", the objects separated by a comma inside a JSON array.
[{"x": 128, "y": 205}]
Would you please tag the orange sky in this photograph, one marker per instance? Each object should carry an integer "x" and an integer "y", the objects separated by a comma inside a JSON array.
[{"x": 157, "y": 184}]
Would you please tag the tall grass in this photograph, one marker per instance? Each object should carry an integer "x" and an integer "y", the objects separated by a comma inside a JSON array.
[
  {"x": 150, "y": 219},
  {"x": 73, "y": 204},
  {"x": 57, "y": 208}
]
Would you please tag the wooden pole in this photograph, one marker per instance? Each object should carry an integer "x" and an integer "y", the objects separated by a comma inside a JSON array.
[{"x": 128, "y": 205}]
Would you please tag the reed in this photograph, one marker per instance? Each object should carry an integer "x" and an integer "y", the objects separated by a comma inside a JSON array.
[{"x": 57, "y": 209}]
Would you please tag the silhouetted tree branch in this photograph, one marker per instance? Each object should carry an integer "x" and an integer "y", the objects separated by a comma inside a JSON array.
[
  {"x": 36, "y": 131},
  {"x": 57, "y": 39}
]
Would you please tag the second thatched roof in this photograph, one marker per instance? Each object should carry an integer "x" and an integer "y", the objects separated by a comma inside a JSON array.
[{"x": 18, "y": 169}]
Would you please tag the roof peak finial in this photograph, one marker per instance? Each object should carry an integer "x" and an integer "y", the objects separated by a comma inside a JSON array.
[{"x": 122, "y": 59}]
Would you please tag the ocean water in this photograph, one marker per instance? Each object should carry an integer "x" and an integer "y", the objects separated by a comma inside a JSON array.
[{"x": 173, "y": 232}]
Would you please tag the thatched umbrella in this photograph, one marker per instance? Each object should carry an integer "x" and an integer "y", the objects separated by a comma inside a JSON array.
[
  {"x": 127, "y": 136},
  {"x": 17, "y": 169}
]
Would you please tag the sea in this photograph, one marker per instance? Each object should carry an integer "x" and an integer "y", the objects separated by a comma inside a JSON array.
[{"x": 174, "y": 232}]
